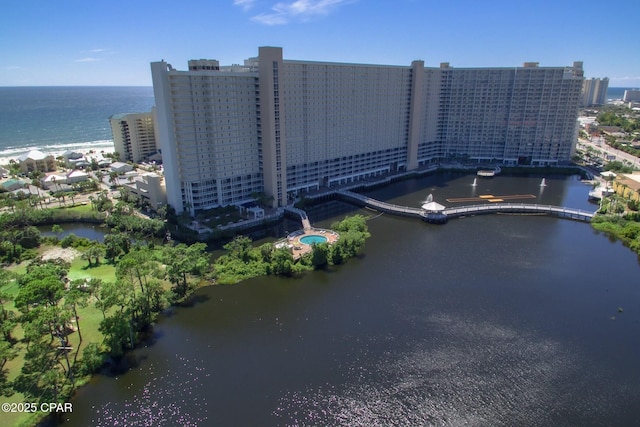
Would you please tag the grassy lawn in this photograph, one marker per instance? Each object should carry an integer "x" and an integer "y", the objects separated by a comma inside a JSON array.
[
  {"x": 90, "y": 318},
  {"x": 80, "y": 270},
  {"x": 76, "y": 208}
]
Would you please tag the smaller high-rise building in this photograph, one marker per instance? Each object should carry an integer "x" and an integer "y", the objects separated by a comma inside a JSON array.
[
  {"x": 594, "y": 92},
  {"x": 134, "y": 136},
  {"x": 631, "y": 95}
]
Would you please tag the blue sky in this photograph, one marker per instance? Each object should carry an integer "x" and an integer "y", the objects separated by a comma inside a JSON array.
[{"x": 94, "y": 42}]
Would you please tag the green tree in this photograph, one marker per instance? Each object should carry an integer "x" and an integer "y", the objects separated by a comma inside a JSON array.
[
  {"x": 76, "y": 297},
  {"x": 40, "y": 378},
  {"x": 266, "y": 251},
  {"x": 94, "y": 286},
  {"x": 618, "y": 167},
  {"x": 182, "y": 261},
  {"x": 8, "y": 319},
  {"x": 336, "y": 254},
  {"x": 116, "y": 330},
  {"x": 92, "y": 359},
  {"x": 116, "y": 244},
  {"x": 8, "y": 352},
  {"x": 41, "y": 284},
  {"x": 57, "y": 229},
  {"x": 116, "y": 294},
  {"x": 137, "y": 268},
  {"x": 320, "y": 255},
  {"x": 239, "y": 248},
  {"x": 282, "y": 263},
  {"x": 113, "y": 178},
  {"x": 93, "y": 254},
  {"x": 72, "y": 195}
]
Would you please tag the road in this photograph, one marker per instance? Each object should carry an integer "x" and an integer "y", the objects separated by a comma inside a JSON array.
[{"x": 602, "y": 147}]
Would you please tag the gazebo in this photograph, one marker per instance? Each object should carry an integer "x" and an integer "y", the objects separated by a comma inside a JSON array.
[
  {"x": 433, "y": 211},
  {"x": 429, "y": 206}
]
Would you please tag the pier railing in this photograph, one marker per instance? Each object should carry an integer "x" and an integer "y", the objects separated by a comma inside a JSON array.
[
  {"x": 380, "y": 206},
  {"x": 522, "y": 208},
  {"x": 515, "y": 208}
]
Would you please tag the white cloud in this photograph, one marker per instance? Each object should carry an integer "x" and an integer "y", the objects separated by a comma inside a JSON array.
[
  {"x": 88, "y": 59},
  {"x": 244, "y": 4},
  {"x": 625, "y": 78},
  {"x": 301, "y": 10},
  {"x": 95, "y": 55},
  {"x": 624, "y": 81},
  {"x": 101, "y": 51}
]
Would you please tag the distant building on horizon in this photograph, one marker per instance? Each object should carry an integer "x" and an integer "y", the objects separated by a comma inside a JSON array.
[
  {"x": 594, "y": 92},
  {"x": 134, "y": 136},
  {"x": 283, "y": 127},
  {"x": 631, "y": 95}
]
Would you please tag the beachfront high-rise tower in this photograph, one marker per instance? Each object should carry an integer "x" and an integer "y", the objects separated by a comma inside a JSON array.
[
  {"x": 594, "y": 92},
  {"x": 133, "y": 135},
  {"x": 283, "y": 126}
]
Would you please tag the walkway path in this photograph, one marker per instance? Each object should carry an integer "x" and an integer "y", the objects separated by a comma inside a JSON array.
[{"x": 521, "y": 208}]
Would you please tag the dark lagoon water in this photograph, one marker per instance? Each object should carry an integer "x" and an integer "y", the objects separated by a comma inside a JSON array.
[
  {"x": 86, "y": 230},
  {"x": 494, "y": 320}
]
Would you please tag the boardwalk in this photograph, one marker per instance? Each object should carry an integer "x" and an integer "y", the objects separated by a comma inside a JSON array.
[
  {"x": 514, "y": 208},
  {"x": 378, "y": 205},
  {"x": 520, "y": 208}
]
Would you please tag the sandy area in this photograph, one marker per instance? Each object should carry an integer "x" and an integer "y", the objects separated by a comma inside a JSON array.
[
  {"x": 67, "y": 254},
  {"x": 86, "y": 149}
]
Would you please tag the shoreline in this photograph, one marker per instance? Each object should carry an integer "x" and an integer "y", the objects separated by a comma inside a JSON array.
[{"x": 56, "y": 150}]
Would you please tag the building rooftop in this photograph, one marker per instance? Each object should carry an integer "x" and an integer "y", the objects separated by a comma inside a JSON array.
[
  {"x": 33, "y": 155},
  {"x": 631, "y": 180}
]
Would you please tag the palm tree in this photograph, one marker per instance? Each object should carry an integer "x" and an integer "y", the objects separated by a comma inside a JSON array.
[
  {"x": 14, "y": 168},
  {"x": 113, "y": 177},
  {"x": 35, "y": 176},
  {"x": 61, "y": 163},
  {"x": 9, "y": 201},
  {"x": 59, "y": 196}
]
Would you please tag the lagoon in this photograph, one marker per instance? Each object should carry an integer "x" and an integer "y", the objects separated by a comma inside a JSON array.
[{"x": 489, "y": 320}]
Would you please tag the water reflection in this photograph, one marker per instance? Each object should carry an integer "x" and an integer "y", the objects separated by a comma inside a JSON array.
[
  {"x": 171, "y": 397},
  {"x": 86, "y": 230},
  {"x": 488, "y": 320},
  {"x": 475, "y": 373}
]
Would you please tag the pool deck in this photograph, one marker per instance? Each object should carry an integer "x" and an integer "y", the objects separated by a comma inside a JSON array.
[{"x": 298, "y": 248}]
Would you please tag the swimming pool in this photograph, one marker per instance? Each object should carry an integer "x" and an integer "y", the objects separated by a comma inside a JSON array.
[{"x": 313, "y": 239}]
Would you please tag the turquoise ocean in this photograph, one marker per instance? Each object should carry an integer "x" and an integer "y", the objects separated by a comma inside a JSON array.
[{"x": 57, "y": 119}]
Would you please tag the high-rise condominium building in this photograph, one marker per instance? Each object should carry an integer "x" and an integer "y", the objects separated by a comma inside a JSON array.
[
  {"x": 286, "y": 126},
  {"x": 631, "y": 95},
  {"x": 594, "y": 92},
  {"x": 133, "y": 135}
]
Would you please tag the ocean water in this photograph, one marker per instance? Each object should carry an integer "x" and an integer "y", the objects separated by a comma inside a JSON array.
[
  {"x": 616, "y": 92},
  {"x": 56, "y": 119}
]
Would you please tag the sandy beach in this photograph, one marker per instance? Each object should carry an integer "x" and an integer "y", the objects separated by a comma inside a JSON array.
[{"x": 85, "y": 148}]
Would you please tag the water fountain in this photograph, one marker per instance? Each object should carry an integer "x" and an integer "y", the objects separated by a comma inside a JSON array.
[
  {"x": 475, "y": 182},
  {"x": 543, "y": 183}
]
